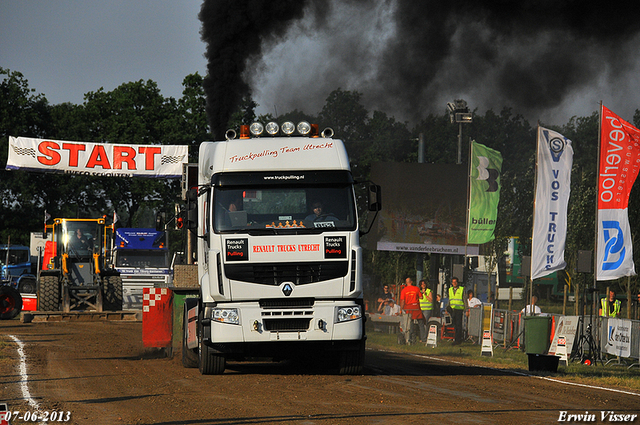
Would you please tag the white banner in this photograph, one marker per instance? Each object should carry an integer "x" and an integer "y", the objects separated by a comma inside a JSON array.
[
  {"x": 618, "y": 341},
  {"x": 555, "y": 159},
  {"x": 96, "y": 159}
]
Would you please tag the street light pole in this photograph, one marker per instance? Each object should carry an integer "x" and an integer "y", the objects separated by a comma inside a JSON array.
[
  {"x": 459, "y": 113},
  {"x": 459, "y": 143}
]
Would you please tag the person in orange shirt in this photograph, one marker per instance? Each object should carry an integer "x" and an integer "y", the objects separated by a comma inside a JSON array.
[{"x": 410, "y": 304}]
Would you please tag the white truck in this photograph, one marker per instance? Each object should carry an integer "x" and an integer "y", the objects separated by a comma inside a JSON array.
[{"x": 278, "y": 251}]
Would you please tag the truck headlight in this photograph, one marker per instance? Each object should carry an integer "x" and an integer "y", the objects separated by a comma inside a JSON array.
[
  {"x": 226, "y": 315},
  {"x": 349, "y": 313}
]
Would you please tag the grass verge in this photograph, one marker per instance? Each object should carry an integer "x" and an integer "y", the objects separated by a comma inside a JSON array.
[{"x": 610, "y": 376}]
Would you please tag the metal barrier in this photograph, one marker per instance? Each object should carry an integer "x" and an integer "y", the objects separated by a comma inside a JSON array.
[
  {"x": 508, "y": 331},
  {"x": 610, "y": 338}
]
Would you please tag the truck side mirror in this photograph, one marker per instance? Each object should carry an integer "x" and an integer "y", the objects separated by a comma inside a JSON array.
[
  {"x": 192, "y": 208},
  {"x": 375, "y": 197}
]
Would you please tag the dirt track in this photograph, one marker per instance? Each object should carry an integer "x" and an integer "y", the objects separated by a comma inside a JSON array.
[{"x": 102, "y": 374}]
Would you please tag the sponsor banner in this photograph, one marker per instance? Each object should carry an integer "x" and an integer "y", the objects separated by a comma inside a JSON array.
[
  {"x": 553, "y": 186},
  {"x": 432, "y": 249},
  {"x": 283, "y": 248},
  {"x": 618, "y": 170},
  {"x": 618, "y": 341},
  {"x": 96, "y": 159},
  {"x": 567, "y": 327},
  {"x": 484, "y": 193}
]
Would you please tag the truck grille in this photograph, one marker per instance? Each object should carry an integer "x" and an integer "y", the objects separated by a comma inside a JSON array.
[
  {"x": 298, "y": 273},
  {"x": 286, "y": 325},
  {"x": 286, "y": 302}
]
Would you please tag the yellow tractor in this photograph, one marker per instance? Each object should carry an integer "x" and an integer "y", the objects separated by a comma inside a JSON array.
[{"x": 76, "y": 273}]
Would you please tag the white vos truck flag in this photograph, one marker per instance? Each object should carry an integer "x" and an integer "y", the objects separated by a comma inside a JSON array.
[
  {"x": 553, "y": 186},
  {"x": 619, "y": 166},
  {"x": 96, "y": 159}
]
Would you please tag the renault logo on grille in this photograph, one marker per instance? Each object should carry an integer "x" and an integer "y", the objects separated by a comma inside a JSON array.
[{"x": 287, "y": 289}]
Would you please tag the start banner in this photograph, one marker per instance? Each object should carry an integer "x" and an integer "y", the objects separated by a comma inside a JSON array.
[
  {"x": 619, "y": 166},
  {"x": 96, "y": 159}
]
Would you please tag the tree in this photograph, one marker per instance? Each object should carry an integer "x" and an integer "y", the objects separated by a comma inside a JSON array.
[
  {"x": 345, "y": 114},
  {"x": 22, "y": 113}
]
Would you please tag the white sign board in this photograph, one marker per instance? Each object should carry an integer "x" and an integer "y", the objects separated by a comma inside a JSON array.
[{"x": 618, "y": 340}]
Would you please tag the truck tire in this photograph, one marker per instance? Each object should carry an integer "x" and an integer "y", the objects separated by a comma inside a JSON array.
[
  {"x": 209, "y": 362},
  {"x": 27, "y": 285},
  {"x": 112, "y": 293},
  {"x": 10, "y": 302},
  {"x": 49, "y": 296},
  {"x": 189, "y": 356},
  {"x": 351, "y": 362}
]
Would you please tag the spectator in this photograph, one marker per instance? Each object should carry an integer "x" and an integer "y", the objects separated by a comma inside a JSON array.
[
  {"x": 410, "y": 303},
  {"x": 384, "y": 297},
  {"x": 532, "y": 309},
  {"x": 610, "y": 307},
  {"x": 426, "y": 305},
  {"x": 472, "y": 302},
  {"x": 456, "y": 302},
  {"x": 394, "y": 309}
]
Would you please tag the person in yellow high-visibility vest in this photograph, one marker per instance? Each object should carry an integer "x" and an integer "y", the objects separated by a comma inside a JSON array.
[
  {"x": 426, "y": 305},
  {"x": 456, "y": 302},
  {"x": 610, "y": 307}
]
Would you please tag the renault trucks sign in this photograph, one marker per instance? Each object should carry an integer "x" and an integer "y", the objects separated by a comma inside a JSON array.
[{"x": 96, "y": 159}]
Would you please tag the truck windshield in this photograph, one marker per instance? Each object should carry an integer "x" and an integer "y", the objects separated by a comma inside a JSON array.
[
  {"x": 14, "y": 256},
  {"x": 272, "y": 209}
]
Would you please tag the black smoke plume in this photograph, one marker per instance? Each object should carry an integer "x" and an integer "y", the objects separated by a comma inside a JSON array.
[
  {"x": 529, "y": 55},
  {"x": 234, "y": 31}
]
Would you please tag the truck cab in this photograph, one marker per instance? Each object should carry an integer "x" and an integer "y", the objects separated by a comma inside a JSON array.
[
  {"x": 141, "y": 256},
  {"x": 278, "y": 250}
]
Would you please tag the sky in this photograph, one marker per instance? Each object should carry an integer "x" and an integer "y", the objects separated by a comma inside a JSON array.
[
  {"x": 407, "y": 58},
  {"x": 66, "y": 48}
]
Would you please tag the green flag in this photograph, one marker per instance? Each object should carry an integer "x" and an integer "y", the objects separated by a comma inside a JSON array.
[{"x": 484, "y": 193}]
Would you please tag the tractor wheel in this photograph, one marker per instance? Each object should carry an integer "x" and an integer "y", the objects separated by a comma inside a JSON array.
[
  {"x": 112, "y": 293},
  {"x": 10, "y": 302},
  {"x": 49, "y": 296}
]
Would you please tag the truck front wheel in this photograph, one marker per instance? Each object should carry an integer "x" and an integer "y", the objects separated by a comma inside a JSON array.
[
  {"x": 351, "y": 362},
  {"x": 210, "y": 362},
  {"x": 10, "y": 302}
]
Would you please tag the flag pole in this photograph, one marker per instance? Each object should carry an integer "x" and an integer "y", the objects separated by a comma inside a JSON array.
[
  {"x": 466, "y": 240},
  {"x": 595, "y": 245},
  {"x": 533, "y": 224},
  {"x": 470, "y": 160}
]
